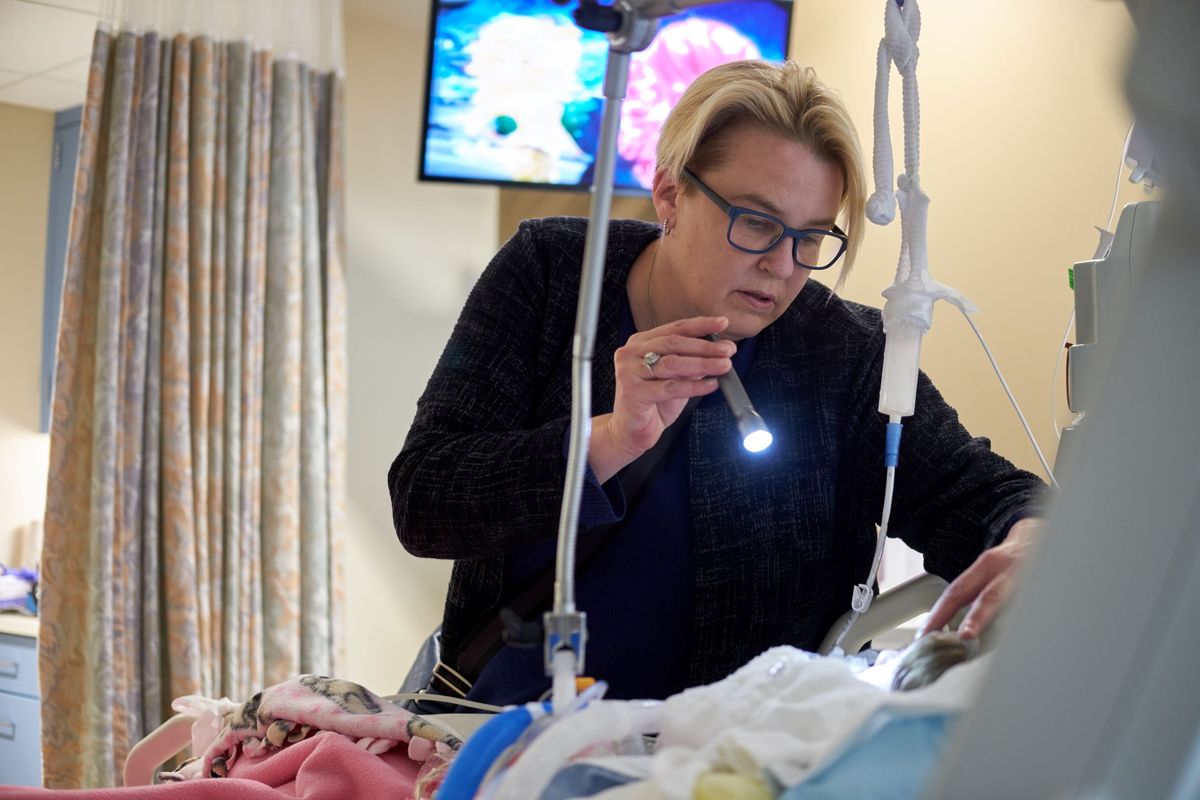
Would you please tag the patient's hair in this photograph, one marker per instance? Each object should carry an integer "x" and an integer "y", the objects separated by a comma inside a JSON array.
[
  {"x": 928, "y": 658},
  {"x": 786, "y": 100}
]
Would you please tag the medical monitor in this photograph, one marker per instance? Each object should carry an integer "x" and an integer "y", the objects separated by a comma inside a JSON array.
[{"x": 514, "y": 88}]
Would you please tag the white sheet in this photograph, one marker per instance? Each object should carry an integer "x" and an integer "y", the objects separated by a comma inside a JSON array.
[{"x": 782, "y": 714}]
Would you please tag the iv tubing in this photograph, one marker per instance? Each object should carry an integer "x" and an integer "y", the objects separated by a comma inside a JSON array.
[
  {"x": 863, "y": 593},
  {"x": 428, "y": 697},
  {"x": 1013, "y": 400}
]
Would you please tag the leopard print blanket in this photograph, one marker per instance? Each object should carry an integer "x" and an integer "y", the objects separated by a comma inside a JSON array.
[{"x": 294, "y": 710}]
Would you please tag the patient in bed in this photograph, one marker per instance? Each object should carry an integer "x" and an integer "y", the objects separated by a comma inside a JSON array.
[
  {"x": 916, "y": 666},
  {"x": 779, "y": 718},
  {"x": 779, "y": 715},
  {"x": 930, "y": 657}
]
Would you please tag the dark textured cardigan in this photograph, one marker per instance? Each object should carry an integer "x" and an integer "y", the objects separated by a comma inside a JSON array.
[{"x": 778, "y": 539}]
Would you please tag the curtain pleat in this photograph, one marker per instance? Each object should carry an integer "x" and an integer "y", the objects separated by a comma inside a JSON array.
[
  {"x": 127, "y": 589},
  {"x": 332, "y": 249},
  {"x": 134, "y": 320},
  {"x": 201, "y": 147},
  {"x": 314, "y": 501},
  {"x": 195, "y": 505},
  {"x": 153, "y": 672},
  {"x": 216, "y": 381},
  {"x": 181, "y": 612},
  {"x": 139, "y": 236},
  {"x": 237, "y": 123},
  {"x": 281, "y": 385},
  {"x": 108, "y": 723},
  {"x": 258, "y": 170}
]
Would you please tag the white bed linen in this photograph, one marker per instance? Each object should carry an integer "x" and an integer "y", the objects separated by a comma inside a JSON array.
[{"x": 782, "y": 714}]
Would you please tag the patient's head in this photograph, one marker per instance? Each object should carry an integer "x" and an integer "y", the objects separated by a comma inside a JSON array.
[{"x": 929, "y": 657}]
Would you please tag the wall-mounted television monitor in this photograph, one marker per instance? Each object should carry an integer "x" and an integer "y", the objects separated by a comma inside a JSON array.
[{"x": 514, "y": 88}]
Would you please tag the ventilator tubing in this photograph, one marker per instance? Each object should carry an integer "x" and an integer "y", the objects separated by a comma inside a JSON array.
[
  {"x": 901, "y": 363},
  {"x": 481, "y": 750},
  {"x": 599, "y": 722}
]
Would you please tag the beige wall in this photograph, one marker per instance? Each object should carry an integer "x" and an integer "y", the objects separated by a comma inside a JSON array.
[
  {"x": 519, "y": 204},
  {"x": 26, "y": 140},
  {"x": 1023, "y": 121},
  {"x": 414, "y": 250}
]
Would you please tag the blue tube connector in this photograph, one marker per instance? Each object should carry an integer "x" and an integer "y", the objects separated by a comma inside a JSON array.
[{"x": 891, "y": 447}]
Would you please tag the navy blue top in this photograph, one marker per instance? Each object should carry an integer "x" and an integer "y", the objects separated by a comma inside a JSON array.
[{"x": 637, "y": 592}]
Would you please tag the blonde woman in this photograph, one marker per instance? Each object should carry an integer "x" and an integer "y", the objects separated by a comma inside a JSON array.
[{"x": 721, "y": 553}]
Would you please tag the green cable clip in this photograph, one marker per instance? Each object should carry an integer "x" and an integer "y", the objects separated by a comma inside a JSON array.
[{"x": 1071, "y": 277}]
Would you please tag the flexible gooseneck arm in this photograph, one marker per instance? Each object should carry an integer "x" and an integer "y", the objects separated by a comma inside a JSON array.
[{"x": 630, "y": 26}]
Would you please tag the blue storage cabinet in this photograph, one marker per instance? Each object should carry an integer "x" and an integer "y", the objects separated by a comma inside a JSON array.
[
  {"x": 62, "y": 191},
  {"x": 20, "y": 712}
]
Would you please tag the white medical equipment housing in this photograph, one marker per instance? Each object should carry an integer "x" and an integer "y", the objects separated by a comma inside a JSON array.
[
  {"x": 1104, "y": 290},
  {"x": 1093, "y": 692}
]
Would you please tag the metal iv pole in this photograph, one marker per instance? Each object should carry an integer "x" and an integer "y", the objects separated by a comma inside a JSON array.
[{"x": 630, "y": 26}]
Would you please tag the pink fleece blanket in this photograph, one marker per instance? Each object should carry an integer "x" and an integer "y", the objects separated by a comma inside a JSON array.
[
  {"x": 325, "y": 766},
  {"x": 310, "y": 737}
]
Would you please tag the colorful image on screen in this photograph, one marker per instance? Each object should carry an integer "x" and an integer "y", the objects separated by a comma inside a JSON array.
[{"x": 515, "y": 87}]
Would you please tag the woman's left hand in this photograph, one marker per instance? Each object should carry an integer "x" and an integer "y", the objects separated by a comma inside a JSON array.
[{"x": 985, "y": 585}]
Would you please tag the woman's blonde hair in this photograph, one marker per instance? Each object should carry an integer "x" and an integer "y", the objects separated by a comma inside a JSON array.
[{"x": 787, "y": 100}]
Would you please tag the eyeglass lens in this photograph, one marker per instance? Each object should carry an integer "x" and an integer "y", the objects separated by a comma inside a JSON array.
[{"x": 757, "y": 233}]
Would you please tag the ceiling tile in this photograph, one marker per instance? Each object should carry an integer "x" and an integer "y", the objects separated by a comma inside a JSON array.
[
  {"x": 34, "y": 38},
  {"x": 48, "y": 93},
  {"x": 75, "y": 71},
  {"x": 7, "y": 77}
]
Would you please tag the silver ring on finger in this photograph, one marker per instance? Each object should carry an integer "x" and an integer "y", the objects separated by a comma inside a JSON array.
[{"x": 650, "y": 359}]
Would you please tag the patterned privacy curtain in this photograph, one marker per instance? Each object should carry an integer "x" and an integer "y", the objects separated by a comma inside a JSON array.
[{"x": 195, "y": 500}]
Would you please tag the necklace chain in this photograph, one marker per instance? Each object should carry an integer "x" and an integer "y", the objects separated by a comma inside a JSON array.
[{"x": 649, "y": 277}]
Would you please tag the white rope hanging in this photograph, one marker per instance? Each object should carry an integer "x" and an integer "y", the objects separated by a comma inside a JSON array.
[
  {"x": 908, "y": 312},
  {"x": 914, "y": 292}
]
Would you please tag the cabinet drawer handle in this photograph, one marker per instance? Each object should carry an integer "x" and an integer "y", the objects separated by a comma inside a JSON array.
[
  {"x": 8, "y": 730},
  {"x": 8, "y": 669}
]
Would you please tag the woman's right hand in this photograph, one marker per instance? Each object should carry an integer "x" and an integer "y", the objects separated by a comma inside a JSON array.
[{"x": 648, "y": 400}]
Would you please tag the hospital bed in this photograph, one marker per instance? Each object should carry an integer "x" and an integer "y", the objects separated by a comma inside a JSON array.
[{"x": 889, "y": 611}]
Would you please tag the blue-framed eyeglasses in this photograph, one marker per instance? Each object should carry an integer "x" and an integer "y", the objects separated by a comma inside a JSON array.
[{"x": 757, "y": 232}]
